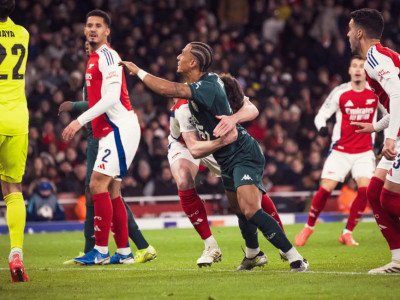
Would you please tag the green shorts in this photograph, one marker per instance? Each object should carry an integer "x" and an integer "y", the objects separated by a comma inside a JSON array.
[
  {"x": 13, "y": 152},
  {"x": 91, "y": 155},
  {"x": 245, "y": 168}
]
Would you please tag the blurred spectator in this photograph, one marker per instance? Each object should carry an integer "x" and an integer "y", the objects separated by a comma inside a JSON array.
[
  {"x": 43, "y": 205},
  {"x": 165, "y": 184}
]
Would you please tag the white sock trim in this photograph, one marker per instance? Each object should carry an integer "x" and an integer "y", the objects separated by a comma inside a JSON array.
[
  {"x": 347, "y": 231},
  {"x": 14, "y": 251},
  {"x": 251, "y": 253},
  {"x": 396, "y": 255},
  {"x": 210, "y": 242},
  {"x": 101, "y": 249},
  {"x": 124, "y": 251},
  {"x": 293, "y": 255}
]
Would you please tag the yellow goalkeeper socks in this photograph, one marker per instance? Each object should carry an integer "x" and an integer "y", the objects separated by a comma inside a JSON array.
[{"x": 16, "y": 215}]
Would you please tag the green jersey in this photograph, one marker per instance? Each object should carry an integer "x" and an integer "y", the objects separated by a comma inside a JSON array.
[{"x": 209, "y": 100}]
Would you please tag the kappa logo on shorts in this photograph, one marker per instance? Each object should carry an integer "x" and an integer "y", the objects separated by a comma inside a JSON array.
[
  {"x": 246, "y": 177},
  {"x": 102, "y": 166}
]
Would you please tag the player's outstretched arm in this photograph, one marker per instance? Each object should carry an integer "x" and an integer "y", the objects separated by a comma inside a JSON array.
[
  {"x": 247, "y": 112},
  {"x": 200, "y": 149},
  {"x": 70, "y": 106},
  {"x": 158, "y": 85}
]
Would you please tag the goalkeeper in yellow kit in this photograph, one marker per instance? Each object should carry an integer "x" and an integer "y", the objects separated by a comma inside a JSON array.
[{"x": 13, "y": 130}]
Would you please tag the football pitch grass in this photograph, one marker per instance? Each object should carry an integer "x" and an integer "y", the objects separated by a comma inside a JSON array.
[{"x": 337, "y": 271}]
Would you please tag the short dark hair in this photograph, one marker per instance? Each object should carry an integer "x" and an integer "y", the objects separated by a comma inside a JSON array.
[
  {"x": 370, "y": 20},
  {"x": 356, "y": 57},
  {"x": 6, "y": 8},
  {"x": 204, "y": 55},
  {"x": 233, "y": 90},
  {"x": 100, "y": 13}
]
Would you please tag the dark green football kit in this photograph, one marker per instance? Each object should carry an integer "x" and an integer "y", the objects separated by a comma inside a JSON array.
[{"x": 242, "y": 162}]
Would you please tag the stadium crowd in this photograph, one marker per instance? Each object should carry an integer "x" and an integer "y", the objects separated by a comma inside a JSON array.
[{"x": 287, "y": 55}]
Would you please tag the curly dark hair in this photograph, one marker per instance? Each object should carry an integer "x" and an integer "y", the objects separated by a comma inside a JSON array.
[{"x": 234, "y": 91}]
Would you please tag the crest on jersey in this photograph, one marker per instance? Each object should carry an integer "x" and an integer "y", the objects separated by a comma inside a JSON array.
[
  {"x": 369, "y": 101},
  {"x": 195, "y": 107},
  {"x": 349, "y": 103}
]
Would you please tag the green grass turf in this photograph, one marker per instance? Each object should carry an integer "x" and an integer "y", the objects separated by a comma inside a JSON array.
[{"x": 338, "y": 271}]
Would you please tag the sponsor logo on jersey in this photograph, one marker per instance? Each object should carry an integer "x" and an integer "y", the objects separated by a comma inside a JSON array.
[
  {"x": 246, "y": 177},
  {"x": 359, "y": 114},
  {"x": 111, "y": 75},
  {"x": 369, "y": 101},
  {"x": 349, "y": 103},
  {"x": 88, "y": 76},
  {"x": 382, "y": 73},
  {"x": 90, "y": 66},
  {"x": 195, "y": 107}
]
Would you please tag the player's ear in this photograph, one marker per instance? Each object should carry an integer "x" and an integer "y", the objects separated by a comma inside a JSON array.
[
  {"x": 108, "y": 31},
  {"x": 360, "y": 33},
  {"x": 193, "y": 63}
]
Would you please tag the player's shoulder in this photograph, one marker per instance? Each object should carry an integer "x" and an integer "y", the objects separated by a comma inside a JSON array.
[
  {"x": 380, "y": 56},
  {"x": 340, "y": 89},
  {"x": 17, "y": 30},
  {"x": 108, "y": 55},
  {"x": 182, "y": 103}
]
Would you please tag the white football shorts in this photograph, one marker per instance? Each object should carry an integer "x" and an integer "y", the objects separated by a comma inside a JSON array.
[
  {"x": 117, "y": 149},
  {"x": 393, "y": 166},
  {"x": 338, "y": 164},
  {"x": 178, "y": 150}
]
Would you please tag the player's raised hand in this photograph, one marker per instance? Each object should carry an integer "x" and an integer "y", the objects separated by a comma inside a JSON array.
[
  {"x": 224, "y": 126},
  {"x": 65, "y": 106},
  {"x": 388, "y": 150},
  {"x": 130, "y": 66},
  {"x": 363, "y": 127},
  {"x": 69, "y": 131}
]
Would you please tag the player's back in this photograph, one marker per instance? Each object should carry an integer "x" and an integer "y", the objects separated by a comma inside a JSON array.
[
  {"x": 13, "y": 55},
  {"x": 381, "y": 63}
]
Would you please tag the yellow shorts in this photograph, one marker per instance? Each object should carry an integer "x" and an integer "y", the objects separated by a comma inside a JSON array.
[{"x": 13, "y": 152}]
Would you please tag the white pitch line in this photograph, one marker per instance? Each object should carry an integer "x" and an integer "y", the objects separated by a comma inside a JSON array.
[{"x": 98, "y": 268}]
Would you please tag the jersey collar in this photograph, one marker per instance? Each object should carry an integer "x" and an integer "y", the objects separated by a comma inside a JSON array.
[{"x": 7, "y": 23}]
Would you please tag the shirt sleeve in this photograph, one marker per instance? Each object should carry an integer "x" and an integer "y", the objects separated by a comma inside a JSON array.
[
  {"x": 184, "y": 117},
  {"x": 203, "y": 92},
  {"x": 387, "y": 74},
  {"x": 330, "y": 106},
  {"x": 108, "y": 66}
]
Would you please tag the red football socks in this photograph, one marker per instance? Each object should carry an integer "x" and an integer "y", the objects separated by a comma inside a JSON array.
[
  {"x": 196, "y": 212},
  {"x": 103, "y": 212},
  {"x": 269, "y": 207},
  {"x": 120, "y": 223},
  {"x": 390, "y": 201},
  {"x": 389, "y": 226},
  {"x": 317, "y": 205},
  {"x": 357, "y": 208}
]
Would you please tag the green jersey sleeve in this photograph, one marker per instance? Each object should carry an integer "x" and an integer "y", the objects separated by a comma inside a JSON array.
[
  {"x": 203, "y": 92},
  {"x": 80, "y": 105}
]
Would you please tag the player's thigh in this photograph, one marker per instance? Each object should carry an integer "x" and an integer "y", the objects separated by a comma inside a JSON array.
[
  {"x": 336, "y": 166},
  {"x": 13, "y": 153},
  {"x": 364, "y": 165},
  {"x": 116, "y": 151},
  {"x": 211, "y": 164}
]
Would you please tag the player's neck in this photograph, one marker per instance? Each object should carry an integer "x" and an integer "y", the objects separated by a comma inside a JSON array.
[
  {"x": 366, "y": 44},
  {"x": 3, "y": 20},
  {"x": 94, "y": 47},
  {"x": 358, "y": 86},
  {"x": 192, "y": 76}
]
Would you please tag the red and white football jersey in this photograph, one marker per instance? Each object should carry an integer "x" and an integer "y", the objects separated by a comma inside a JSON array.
[
  {"x": 349, "y": 106},
  {"x": 382, "y": 68},
  {"x": 101, "y": 71},
  {"x": 180, "y": 121}
]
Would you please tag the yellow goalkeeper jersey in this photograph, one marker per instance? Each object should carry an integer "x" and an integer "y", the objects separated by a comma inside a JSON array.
[{"x": 14, "y": 116}]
